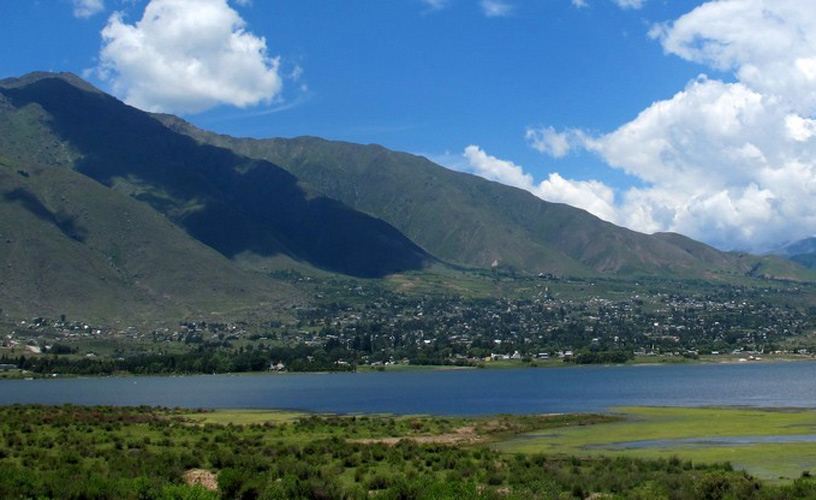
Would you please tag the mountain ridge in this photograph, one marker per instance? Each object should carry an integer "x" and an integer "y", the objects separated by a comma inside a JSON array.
[
  {"x": 110, "y": 212},
  {"x": 233, "y": 204},
  {"x": 414, "y": 194}
]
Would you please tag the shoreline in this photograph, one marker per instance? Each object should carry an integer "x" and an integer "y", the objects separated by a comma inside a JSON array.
[{"x": 395, "y": 369}]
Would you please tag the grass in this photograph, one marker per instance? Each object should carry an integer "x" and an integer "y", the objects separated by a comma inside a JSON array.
[
  {"x": 768, "y": 461},
  {"x": 244, "y": 417}
]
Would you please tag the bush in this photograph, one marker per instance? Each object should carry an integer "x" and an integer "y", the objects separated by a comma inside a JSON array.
[{"x": 184, "y": 492}]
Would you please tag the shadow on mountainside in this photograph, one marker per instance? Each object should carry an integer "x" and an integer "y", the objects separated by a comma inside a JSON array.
[
  {"x": 230, "y": 203},
  {"x": 67, "y": 225}
]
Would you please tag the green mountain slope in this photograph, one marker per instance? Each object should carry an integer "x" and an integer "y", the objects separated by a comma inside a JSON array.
[
  {"x": 808, "y": 260},
  {"x": 110, "y": 212},
  {"x": 248, "y": 210},
  {"x": 467, "y": 220},
  {"x": 69, "y": 245}
]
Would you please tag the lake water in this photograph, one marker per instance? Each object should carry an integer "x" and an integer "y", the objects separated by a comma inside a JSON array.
[
  {"x": 706, "y": 442},
  {"x": 455, "y": 392}
]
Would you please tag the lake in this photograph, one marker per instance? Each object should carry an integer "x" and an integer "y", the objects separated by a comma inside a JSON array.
[{"x": 454, "y": 392}]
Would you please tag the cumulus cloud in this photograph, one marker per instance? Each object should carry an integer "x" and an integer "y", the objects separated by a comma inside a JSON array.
[
  {"x": 730, "y": 163},
  {"x": 496, "y": 8},
  {"x": 186, "y": 56},
  {"x": 494, "y": 169},
  {"x": 770, "y": 45},
  {"x": 579, "y": 3},
  {"x": 593, "y": 196},
  {"x": 87, "y": 8}
]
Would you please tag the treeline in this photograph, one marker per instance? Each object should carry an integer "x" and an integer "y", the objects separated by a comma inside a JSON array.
[
  {"x": 590, "y": 357},
  {"x": 299, "y": 358},
  {"x": 204, "y": 359}
]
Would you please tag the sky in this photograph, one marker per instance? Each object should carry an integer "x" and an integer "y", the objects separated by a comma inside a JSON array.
[{"x": 692, "y": 116}]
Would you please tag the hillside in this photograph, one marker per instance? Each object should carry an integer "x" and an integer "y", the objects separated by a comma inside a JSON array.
[
  {"x": 802, "y": 252},
  {"x": 111, "y": 213},
  {"x": 801, "y": 247},
  {"x": 71, "y": 246},
  {"x": 470, "y": 221},
  {"x": 250, "y": 211}
]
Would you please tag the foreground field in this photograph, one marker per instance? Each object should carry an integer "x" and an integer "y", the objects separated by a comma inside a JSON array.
[
  {"x": 767, "y": 444},
  {"x": 133, "y": 453}
]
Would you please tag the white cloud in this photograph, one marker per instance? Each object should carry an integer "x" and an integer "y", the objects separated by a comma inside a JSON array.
[
  {"x": 550, "y": 142},
  {"x": 593, "y": 196},
  {"x": 770, "y": 45},
  {"x": 186, "y": 56},
  {"x": 630, "y": 4},
  {"x": 496, "y": 8},
  {"x": 730, "y": 163},
  {"x": 87, "y": 8},
  {"x": 680, "y": 139},
  {"x": 800, "y": 129},
  {"x": 494, "y": 169},
  {"x": 623, "y": 4}
]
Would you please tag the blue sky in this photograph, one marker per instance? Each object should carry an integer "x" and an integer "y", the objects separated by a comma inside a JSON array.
[{"x": 596, "y": 103}]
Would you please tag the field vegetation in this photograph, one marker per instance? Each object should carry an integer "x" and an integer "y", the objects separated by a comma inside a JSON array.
[
  {"x": 770, "y": 444},
  {"x": 130, "y": 453}
]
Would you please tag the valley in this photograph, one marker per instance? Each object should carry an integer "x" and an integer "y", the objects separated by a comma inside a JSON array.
[
  {"x": 139, "y": 248},
  {"x": 408, "y": 250}
]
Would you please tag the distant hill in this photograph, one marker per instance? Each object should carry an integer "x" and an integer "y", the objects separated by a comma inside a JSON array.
[
  {"x": 467, "y": 220},
  {"x": 248, "y": 210},
  {"x": 804, "y": 246},
  {"x": 802, "y": 252}
]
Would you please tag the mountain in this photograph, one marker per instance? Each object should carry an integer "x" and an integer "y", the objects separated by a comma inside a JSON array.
[
  {"x": 108, "y": 212},
  {"x": 249, "y": 210},
  {"x": 467, "y": 220},
  {"x": 804, "y": 246},
  {"x": 802, "y": 252},
  {"x": 68, "y": 245},
  {"x": 106, "y": 215}
]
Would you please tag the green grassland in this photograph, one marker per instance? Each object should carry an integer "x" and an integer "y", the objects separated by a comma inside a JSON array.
[
  {"x": 766, "y": 460},
  {"x": 244, "y": 417}
]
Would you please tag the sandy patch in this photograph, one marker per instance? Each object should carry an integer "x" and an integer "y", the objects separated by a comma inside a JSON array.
[{"x": 201, "y": 477}]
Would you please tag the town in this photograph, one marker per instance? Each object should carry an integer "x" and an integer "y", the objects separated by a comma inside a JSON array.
[{"x": 351, "y": 325}]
